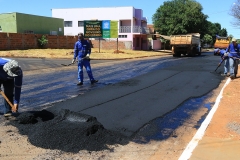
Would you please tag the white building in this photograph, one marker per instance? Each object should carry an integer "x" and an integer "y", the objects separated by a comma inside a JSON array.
[{"x": 132, "y": 24}]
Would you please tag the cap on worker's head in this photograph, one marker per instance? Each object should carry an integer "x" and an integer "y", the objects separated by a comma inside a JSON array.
[
  {"x": 12, "y": 68},
  {"x": 80, "y": 34},
  {"x": 234, "y": 40},
  {"x": 215, "y": 50}
]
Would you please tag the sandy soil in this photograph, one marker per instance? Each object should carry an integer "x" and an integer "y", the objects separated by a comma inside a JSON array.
[
  {"x": 226, "y": 121},
  {"x": 68, "y": 53}
]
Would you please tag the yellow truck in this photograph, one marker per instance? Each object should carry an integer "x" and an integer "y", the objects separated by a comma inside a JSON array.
[
  {"x": 222, "y": 42},
  {"x": 188, "y": 44}
]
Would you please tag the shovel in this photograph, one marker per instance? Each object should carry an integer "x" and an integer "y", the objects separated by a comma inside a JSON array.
[{"x": 5, "y": 97}]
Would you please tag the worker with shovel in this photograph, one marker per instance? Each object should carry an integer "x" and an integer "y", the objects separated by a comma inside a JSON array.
[
  {"x": 11, "y": 78},
  {"x": 82, "y": 51},
  {"x": 234, "y": 55},
  {"x": 225, "y": 59}
]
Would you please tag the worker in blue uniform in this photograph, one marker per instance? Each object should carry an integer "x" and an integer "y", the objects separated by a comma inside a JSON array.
[
  {"x": 11, "y": 78},
  {"x": 224, "y": 57},
  {"x": 82, "y": 51},
  {"x": 234, "y": 55}
]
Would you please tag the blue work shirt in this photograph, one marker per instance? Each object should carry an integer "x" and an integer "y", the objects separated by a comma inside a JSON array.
[
  {"x": 222, "y": 52},
  {"x": 81, "y": 49},
  {"x": 233, "y": 50},
  {"x": 17, "y": 80}
]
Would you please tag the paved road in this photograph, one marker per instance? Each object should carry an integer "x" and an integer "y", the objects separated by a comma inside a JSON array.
[
  {"x": 29, "y": 64},
  {"x": 130, "y": 93},
  {"x": 129, "y": 104}
]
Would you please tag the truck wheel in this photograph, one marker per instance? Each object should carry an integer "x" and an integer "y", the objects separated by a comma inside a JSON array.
[
  {"x": 199, "y": 51},
  {"x": 192, "y": 54},
  {"x": 177, "y": 54}
]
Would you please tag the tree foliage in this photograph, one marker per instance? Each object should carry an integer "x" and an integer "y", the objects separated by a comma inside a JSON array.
[
  {"x": 42, "y": 41},
  {"x": 207, "y": 39},
  {"x": 223, "y": 32},
  {"x": 180, "y": 17},
  {"x": 214, "y": 29}
]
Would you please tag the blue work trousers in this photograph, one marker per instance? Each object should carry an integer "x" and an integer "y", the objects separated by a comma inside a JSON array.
[
  {"x": 233, "y": 65},
  {"x": 86, "y": 64},
  {"x": 8, "y": 86},
  {"x": 226, "y": 66}
]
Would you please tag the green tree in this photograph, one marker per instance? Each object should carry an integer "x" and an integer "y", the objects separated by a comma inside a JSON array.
[
  {"x": 230, "y": 36},
  {"x": 207, "y": 39},
  {"x": 42, "y": 41},
  {"x": 179, "y": 17},
  {"x": 213, "y": 29},
  {"x": 223, "y": 32}
]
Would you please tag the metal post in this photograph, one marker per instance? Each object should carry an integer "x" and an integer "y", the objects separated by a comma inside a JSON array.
[
  {"x": 117, "y": 45},
  {"x": 99, "y": 45}
]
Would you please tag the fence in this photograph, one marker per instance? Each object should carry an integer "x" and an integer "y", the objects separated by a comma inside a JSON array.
[{"x": 20, "y": 41}]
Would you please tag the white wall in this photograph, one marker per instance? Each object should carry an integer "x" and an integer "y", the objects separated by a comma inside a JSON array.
[{"x": 81, "y": 14}]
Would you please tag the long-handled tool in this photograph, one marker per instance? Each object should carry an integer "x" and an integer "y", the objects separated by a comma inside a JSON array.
[
  {"x": 73, "y": 63},
  {"x": 219, "y": 64},
  {"x": 5, "y": 97},
  {"x": 67, "y": 64}
]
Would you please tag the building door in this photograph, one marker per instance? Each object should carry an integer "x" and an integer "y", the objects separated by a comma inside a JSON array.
[{"x": 137, "y": 42}]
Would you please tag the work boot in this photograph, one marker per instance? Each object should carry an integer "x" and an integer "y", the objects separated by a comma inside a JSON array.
[
  {"x": 80, "y": 83},
  {"x": 232, "y": 76},
  {"x": 224, "y": 75},
  {"x": 94, "y": 81},
  {"x": 8, "y": 114}
]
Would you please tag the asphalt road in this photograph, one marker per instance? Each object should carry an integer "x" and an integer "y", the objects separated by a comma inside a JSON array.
[
  {"x": 127, "y": 105},
  {"x": 30, "y": 64},
  {"x": 130, "y": 93}
]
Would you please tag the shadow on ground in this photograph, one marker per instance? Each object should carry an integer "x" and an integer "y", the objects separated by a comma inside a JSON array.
[
  {"x": 164, "y": 127},
  {"x": 66, "y": 131}
]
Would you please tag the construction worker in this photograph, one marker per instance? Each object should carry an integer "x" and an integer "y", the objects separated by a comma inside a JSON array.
[
  {"x": 82, "y": 51},
  {"x": 225, "y": 58},
  {"x": 234, "y": 56},
  {"x": 11, "y": 78}
]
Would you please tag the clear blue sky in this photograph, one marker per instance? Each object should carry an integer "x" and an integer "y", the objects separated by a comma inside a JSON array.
[{"x": 217, "y": 10}]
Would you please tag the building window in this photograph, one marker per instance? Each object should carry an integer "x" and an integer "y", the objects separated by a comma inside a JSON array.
[
  {"x": 53, "y": 33},
  {"x": 80, "y": 23},
  {"x": 122, "y": 36},
  {"x": 28, "y": 31},
  {"x": 67, "y": 23}
]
